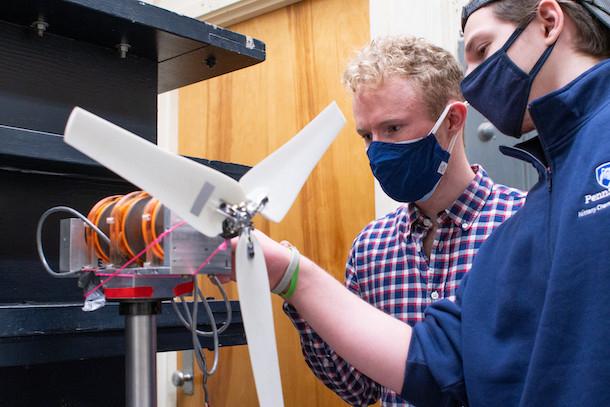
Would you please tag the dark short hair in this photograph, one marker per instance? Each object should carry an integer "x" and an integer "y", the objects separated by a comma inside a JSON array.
[{"x": 593, "y": 36}]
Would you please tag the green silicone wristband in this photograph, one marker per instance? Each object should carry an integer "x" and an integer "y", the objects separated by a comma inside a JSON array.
[{"x": 293, "y": 285}]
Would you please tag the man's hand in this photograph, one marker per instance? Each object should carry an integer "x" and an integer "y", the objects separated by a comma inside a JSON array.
[
  {"x": 277, "y": 257},
  {"x": 372, "y": 341}
]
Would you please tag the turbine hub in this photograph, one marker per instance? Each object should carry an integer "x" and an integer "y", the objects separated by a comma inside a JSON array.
[{"x": 239, "y": 216}]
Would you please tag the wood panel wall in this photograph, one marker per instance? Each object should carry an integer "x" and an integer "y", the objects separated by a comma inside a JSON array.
[{"x": 242, "y": 117}]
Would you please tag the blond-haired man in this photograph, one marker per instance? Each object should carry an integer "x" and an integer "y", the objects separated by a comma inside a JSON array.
[
  {"x": 529, "y": 323},
  {"x": 409, "y": 112}
]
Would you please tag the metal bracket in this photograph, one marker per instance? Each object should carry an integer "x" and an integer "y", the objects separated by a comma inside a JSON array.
[
  {"x": 239, "y": 216},
  {"x": 184, "y": 378}
]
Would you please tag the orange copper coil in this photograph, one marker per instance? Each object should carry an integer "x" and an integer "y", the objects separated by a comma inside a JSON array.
[
  {"x": 152, "y": 226},
  {"x": 98, "y": 215},
  {"x": 126, "y": 230}
]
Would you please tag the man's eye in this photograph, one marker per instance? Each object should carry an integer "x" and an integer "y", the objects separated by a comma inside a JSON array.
[
  {"x": 393, "y": 129},
  {"x": 482, "y": 50},
  {"x": 366, "y": 137}
]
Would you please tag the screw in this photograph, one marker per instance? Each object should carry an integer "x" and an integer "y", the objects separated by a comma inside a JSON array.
[
  {"x": 210, "y": 61},
  {"x": 41, "y": 26},
  {"x": 123, "y": 48}
]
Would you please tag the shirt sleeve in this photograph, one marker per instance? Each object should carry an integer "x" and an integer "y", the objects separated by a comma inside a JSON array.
[
  {"x": 337, "y": 374},
  {"x": 434, "y": 374}
]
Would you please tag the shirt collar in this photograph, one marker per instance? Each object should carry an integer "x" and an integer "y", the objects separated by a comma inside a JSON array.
[{"x": 467, "y": 207}]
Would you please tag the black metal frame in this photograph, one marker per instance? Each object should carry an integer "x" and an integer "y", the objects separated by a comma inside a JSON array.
[{"x": 44, "y": 73}]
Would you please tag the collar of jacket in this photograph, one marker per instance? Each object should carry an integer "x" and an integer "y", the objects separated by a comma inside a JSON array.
[{"x": 559, "y": 114}]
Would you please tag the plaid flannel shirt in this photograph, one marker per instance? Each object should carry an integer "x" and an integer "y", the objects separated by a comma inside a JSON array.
[{"x": 388, "y": 268}]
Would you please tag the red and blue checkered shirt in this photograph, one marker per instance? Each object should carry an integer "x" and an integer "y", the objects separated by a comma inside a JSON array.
[{"x": 388, "y": 268}]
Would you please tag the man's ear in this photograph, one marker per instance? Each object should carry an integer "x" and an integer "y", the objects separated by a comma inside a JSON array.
[
  {"x": 551, "y": 17},
  {"x": 457, "y": 117}
]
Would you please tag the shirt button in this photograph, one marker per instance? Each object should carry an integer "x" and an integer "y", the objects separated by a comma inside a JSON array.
[
  {"x": 465, "y": 226},
  {"x": 434, "y": 295},
  {"x": 427, "y": 222}
]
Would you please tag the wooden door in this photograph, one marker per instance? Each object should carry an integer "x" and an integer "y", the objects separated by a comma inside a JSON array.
[{"x": 243, "y": 116}]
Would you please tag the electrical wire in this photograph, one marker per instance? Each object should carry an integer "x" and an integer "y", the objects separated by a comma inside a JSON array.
[
  {"x": 191, "y": 325},
  {"x": 187, "y": 321},
  {"x": 197, "y": 348},
  {"x": 196, "y": 342},
  {"x": 40, "y": 249},
  {"x": 226, "y": 301},
  {"x": 190, "y": 322}
]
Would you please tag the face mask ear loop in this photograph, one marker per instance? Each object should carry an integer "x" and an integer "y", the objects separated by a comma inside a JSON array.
[
  {"x": 452, "y": 143},
  {"x": 440, "y": 120},
  {"x": 516, "y": 34},
  {"x": 454, "y": 139}
]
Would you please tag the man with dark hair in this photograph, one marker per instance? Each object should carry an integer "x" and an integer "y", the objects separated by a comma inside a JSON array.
[
  {"x": 533, "y": 331},
  {"x": 530, "y": 325}
]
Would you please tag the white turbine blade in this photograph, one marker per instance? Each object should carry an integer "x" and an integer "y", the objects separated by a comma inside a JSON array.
[
  {"x": 191, "y": 190},
  {"x": 257, "y": 315},
  {"x": 281, "y": 175}
]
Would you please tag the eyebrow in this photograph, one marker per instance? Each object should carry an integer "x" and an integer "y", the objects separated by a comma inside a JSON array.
[
  {"x": 481, "y": 33},
  {"x": 469, "y": 45},
  {"x": 361, "y": 132}
]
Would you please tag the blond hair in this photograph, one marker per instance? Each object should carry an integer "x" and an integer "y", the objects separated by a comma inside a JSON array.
[{"x": 432, "y": 69}]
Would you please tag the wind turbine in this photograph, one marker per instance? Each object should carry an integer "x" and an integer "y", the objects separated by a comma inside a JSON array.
[{"x": 215, "y": 204}]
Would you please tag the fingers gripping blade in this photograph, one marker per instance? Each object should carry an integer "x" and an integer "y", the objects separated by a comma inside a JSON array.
[
  {"x": 189, "y": 189},
  {"x": 281, "y": 175},
  {"x": 257, "y": 314}
]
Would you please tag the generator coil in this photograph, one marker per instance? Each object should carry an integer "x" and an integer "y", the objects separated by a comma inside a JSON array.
[
  {"x": 98, "y": 215},
  {"x": 152, "y": 226},
  {"x": 132, "y": 221}
]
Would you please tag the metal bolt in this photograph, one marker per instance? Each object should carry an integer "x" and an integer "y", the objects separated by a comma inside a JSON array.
[
  {"x": 123, "y": 48},
  {"x": 179, "y": 378},
  {"x": 41, "y": 26},
  {"x": 210, "y": 61}
]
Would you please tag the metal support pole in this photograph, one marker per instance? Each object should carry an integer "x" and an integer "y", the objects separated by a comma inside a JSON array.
[{"x": 141, "y": 352}]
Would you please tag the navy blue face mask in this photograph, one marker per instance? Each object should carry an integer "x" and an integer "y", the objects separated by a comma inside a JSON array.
[
  {"x": 410, "y": 171},
  {"x": 500, "y": 90}
]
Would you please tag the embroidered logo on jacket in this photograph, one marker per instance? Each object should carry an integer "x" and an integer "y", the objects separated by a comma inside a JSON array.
[{"x": 602, "y": 175}]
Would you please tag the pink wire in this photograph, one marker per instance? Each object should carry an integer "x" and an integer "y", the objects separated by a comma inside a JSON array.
[
  {"x": 137, "y": 256},
  {"x": 125, "y": 275},
  {"x": 207, "y": 261}
]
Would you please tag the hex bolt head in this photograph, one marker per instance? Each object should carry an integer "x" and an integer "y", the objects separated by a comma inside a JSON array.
[{"x": 40, "y": 26}]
